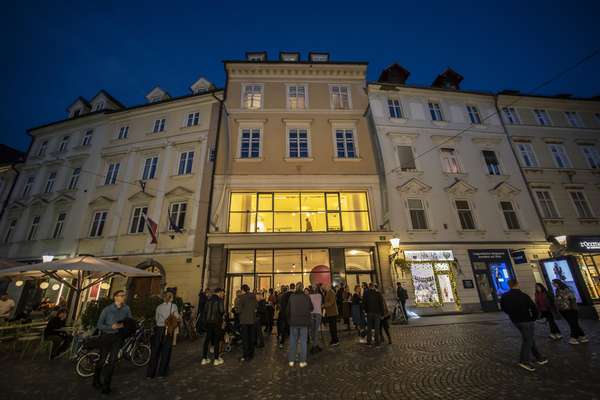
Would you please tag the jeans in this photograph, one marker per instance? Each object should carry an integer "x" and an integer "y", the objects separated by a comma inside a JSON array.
[
  {"x": 551, "y": 323},
  {"x": 332, "y": 321},
  {"x": 373, "y": 323},
  {"x": 528, "y": 342},
  {"x": 571, "y": 317},
  {"x": 358, "y": 318},
  {"x": 213, "y": 336},
  {"x": 248, "y": 336},
  {"x": 315, "y": 326},
  {"x": 110, "y": 344},
  {"x": 282, "y": 328},
  {"x": 298, "y": 333},
  {"x": 161, "y": 353}
]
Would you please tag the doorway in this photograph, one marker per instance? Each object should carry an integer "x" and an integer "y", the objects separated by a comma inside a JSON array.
[{"x": 492, "y": 282}]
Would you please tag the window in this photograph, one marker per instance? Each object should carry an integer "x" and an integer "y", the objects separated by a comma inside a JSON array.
[
  {"x": 340, "y": 97},
  {"x": 50, "y": 183},
  {"x": 395, "y": 108},
  {"x": 591, "y": 155},
  {"x": 527, "y": 154},
  {"x": 253, "y": 95},
  {"x": 250, "y": 143},
  {"x": 159, "y": 125},
  {"x": 111, "y": 174},
  {"x": 344, "y": 143},
  {"x": 42, "y": 150},
  {"x": 87, "y": 138},
  {"x": 186, "y": 161},
  {"x": 76, "y": 112},
  {"x": 10, "y": 231},
  {"x": 474, "y": 115},
  {"x": 511, "y": 116},
  {"x": 465, "y": 215},
  {"x": 98, "y": 222},
  {"x": 450, "y": 163},
  {"x": 541, "y": 117},
  {"x": 192, "y": 119},
  {"x": 299, "y": 212},
  {"x": 581, "y": 205},
  {"x": 296, "y": 97},
  {"x": 99, "y": 106},
  {"x": 492, "y": 163},
  {"x": 123, "y": 132},
  {"x": 74, "y": 181},
  {"x": 58, "y": 227},
  {"x": 64, "y": 143},
  {"x": 416, "y": 210},
  {"x": 298, "y": 143},
  {"x": 559, "y": 154},
  {"x": 28, "y": 186},
  {"x": 510, "y": 215},
  {"x": 33, "y": 228},
  {"x": 177, "y": 213},
  {"x": 546, "y": 204},
  {"x": 573, "y": 119},
  {"x": 406, "y": 158},
  {"x": 138, "y": 220},
  {"x": 435, "y": 111},
  {"x": 149, "y": 171}
]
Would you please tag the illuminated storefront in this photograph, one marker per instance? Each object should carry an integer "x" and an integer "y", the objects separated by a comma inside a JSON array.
[{"x": 492, "y": 269}]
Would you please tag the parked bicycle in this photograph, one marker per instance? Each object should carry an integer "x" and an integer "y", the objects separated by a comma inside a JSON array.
[{"x": 133, "y": 349}]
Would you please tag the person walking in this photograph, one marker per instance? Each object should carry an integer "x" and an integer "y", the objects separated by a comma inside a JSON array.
[
  {"x": 374, "y": 309},
  {"x": 315, "y": 319},
  {"x": 166, "y": 319},
  {"x": 544, "y": 302},
  {"x": 214, "y": 314},
  {"x": 299, "y": 309},
  {"x": 109, "y": 323},
  {"x": 567, "y": 306},
  {"x": 402, "y": 296},
  {"x": 522, "y": 312},
  {"x": 247, "y": 309},
  {"x": 331, "y": 313}
]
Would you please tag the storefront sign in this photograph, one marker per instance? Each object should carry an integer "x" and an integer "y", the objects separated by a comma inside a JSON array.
[
  {"x": 429, "y": 255},
  {"x": 584, "y": 244},
  {"x": 519, "y": 257},
  {"x": 488, "y": 255}
]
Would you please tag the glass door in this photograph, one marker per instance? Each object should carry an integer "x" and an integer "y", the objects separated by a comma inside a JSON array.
[{"x": 484, "y": 287}]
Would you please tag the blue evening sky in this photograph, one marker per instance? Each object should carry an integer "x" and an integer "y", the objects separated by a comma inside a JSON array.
[{"x": 54, "y": 51}]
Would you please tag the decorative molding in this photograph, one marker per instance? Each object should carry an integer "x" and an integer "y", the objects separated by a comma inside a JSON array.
[
  {"x": 101, "y": 200},
  {"x": 64, "y": 198},
  {"x": 554, "y": 140},
  {"x": 460, "y": 187},
  {"x": 402, "y": 138},
  {"x": 486, "y": 141},
  {"x": 445, "y": 139},
  {"x": 505, "y": 189},
  {"x": 141, "y": 196},
  {"x": 250, "y": 120},
  {"x": 297, "y": 120},
  {"x": 179, "y": 191},
  {"x": 414, "y": 186}
]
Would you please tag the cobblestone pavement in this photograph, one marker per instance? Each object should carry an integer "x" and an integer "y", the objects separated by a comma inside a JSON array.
[{"x": 462, "y": 361}]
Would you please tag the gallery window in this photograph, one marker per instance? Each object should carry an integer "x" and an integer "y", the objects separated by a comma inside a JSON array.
[
  {"x": 250, "y": 143},
  {"x": 298, "y": 143},
  {"x": 345, "y": 143},
  {"x": 296, "y": 97},
  {"x": 340, "y": 97}
]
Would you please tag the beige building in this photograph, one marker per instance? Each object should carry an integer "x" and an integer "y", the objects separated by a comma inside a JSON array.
[
  {"x": 557, "y": 142},
  {"x": 296, "y": 191}
]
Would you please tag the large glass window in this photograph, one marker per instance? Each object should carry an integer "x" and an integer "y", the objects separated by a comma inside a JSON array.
[{"x": 299, "y": 212}]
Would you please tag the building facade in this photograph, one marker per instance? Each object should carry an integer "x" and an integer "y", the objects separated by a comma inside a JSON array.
[
  {"x": 557, "y": 142},
  {"x": 456, "y": 199},
  {"x": 296, "y": 195},
  {"x": 9, "y": 160}
]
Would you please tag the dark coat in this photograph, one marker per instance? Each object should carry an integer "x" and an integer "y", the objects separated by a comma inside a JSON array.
[
  {"x": 214, "y": 310},
  {"x": 373, "y": 303},
  {"x": 518, "y": 306},
  {"x": 298, "y": 310},
  {"x": 247, "y": 308}
]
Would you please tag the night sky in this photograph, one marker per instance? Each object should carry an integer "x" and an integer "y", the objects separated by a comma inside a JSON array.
[{"x": 54, "y": 51}]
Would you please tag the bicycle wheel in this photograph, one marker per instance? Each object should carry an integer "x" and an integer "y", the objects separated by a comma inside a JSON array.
[
  {"x": 140, "y": 355},
  {"x": 87, "y": 364}
]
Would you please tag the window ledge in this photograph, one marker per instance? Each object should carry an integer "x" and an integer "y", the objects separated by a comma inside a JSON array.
[
  {"x": 298, "y": 159},
  {"x": 553, "y": 220},
  {"x": 177, "y": 176},
  {"x": 56, "y": 153},
  {"x": 479, "y": 126},
  {"x": 501, "y": 176},
  {"x": 137, "y": 234},
  {"x": 102, "y": 185},
  {"x": 117, "y": 140},
  {"x": 153, "y": 133},
  {"x": 409, "y": 171},
  {"x": 411, "y": 231},
  {"x": 250, "y": 159},
  {"x": 440, "y": 123},
  {"x": 592, "y": 220},
  {"x": 186, "y": 128},
  {"x": 347, "y": 159},
  {"x": 509, "y": 231},
  {"x": 399, "y": 120},
  {"x": 533, "y": 169},
  {"x": 457, "y": 174},
  {"x": 568, "y": 171},
  {"x": 82, "y": 147},
  {"x": 468, "y": 231}
]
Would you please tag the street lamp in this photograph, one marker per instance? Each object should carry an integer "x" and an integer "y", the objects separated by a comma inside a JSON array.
[{"x": 395, "y": 242}]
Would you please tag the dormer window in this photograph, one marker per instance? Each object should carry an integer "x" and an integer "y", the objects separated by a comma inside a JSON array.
[
  {"x": 87, "y": 138},
  {"x": 76, "y": 112},
  {"x": 42, "y": 150},
  {"x": 99, "y": 106},
  {"x": 155, "y": 99},
  {"x": 318, "y": 57},
  {"x": 64, "y": 144},
  {"x": 289, "y": 57},
  {"x": 257, "y": 56}
]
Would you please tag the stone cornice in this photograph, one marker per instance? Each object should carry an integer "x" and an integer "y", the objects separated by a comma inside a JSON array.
[{"x": 316, "y": 71}]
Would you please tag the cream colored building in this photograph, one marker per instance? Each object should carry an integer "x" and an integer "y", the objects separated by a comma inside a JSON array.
[
  {"x": 455, "y": 199},
  {"x": 296, "y": 194}
]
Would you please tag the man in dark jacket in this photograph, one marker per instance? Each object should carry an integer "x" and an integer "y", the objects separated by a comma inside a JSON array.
[
  {"x": 247, "y": 309},
  {"x": 373, "y": 304},
  {"x": 283, "y": 329},
  {"x": 298, "y": 311},
  {"x": 522, "y": 312},
  {"x": 213, "y": 324},
  {"x": 402, "y": 296}
]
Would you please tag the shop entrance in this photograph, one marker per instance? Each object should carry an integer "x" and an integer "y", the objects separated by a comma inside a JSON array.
[{"x": 492, "y": 270}]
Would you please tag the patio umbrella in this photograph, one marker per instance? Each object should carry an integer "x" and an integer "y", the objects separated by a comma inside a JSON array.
[
  {"x": 6, "y": 263},
  {"x": 79, "y": 268}
]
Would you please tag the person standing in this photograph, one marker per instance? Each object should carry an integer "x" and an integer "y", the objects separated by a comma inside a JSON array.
[
  {"x": 54, "y": 332},
  {"x": 299, "y": 310},
  {"x": 261, "y": 315},
  {"x": 346, "y": 306},
  {"x": 283, "y": 329},
  {"x": 247, "y": 310},
  {"x": 567, "y": 306},
  {"x": 166, "y": 318},
  {"x": 203, "y": 297},
  {"x": 402, "y": 296},
  {"x": 522, "y": 312},
  {"x": 374, "y": 309},
  {"x": 270, "y": 312},
  {"x": 315, "y": 319},
  {"x": 544, "y": 302},
  {"x": 331, "y": 313},
  {"x": 110, "y": 321},
  {"x": 213, "y": 323}
]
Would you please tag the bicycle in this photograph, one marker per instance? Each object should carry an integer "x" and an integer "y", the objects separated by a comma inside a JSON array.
[{"x": 132, "y": 349}]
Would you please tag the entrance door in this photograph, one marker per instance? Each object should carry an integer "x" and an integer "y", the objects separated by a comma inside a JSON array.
[{"x": 484, "y": 286}]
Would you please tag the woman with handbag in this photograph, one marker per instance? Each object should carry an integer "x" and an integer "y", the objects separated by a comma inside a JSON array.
[
  {"x": 567, "y": 305},
  {"x": 167, "y": 319},
  {"x": 544, "y": 302}
]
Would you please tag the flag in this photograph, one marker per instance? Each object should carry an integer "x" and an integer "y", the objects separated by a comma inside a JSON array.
[
  {"x": 173, "y": 226},
  {"x": 152, "y": 228}
]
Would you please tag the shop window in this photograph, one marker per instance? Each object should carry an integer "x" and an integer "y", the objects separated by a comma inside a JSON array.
[
  {"x": 264, "y": 261},
  {"x": 289, "y": 261},
  {"x": 358, "y": 260}
]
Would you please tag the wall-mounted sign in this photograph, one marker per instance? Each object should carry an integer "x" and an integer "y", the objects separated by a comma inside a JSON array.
[
  {"x": 584, "y": 244},
  {"x": 468, "y": 283},
  {"x": 488, "y": 255},
  {"x": 429, "y": 255},
  {"x": 519, "y": 257}
]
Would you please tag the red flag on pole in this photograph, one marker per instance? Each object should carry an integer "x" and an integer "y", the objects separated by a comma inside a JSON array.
[{"x": 152, "y": 228}]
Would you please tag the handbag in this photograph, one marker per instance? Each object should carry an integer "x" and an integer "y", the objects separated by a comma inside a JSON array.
[{"x": 171, "y": 323}]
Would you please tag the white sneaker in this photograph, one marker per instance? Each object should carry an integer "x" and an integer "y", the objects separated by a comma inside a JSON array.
[
  {"x": 303, "y": 364},
  {"x": 218, "y": 362},
  {"x": 362, "y": 341},
  {"x": 573, "y": 341},
  {"x": 583, "y": 339},
  {"x": 552, "y": 336},
  {"x": 205, "y": 361},
  {"x": 291, "y": 363},
  {"x": 558, "y": 336}
]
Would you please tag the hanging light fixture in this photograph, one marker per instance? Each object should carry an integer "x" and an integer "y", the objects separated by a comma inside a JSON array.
[
  {"x": 19, "y": 283},
  {"x": 55, "y": 287},
  {"x": 395, "y": 242},
  {"x": 105, "y": 285},
  {"x": 44, "y": 285}
]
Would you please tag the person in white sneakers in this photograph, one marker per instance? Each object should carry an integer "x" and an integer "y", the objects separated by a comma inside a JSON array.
[
  {"x": 214, "y": 313},
  {"x": 299, "y": 308},
  {"x": 567, "y": 306},
  {"x": 544, "y": 301}
]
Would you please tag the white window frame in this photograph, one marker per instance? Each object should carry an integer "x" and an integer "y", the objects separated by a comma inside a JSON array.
[
  {"x": 288, "y": 142},
  {"x": 471, "y": 210},
  {"x": 511, "y": 115},
  {"x": 139, "y": 220},
  {"x": 112, "y": 174},
  {"x": 99, "y": 229},
  {"x": 332, "y": 88},
  {"x": 28, "y": 186},
  {"x": 34, "y": 227},
  {"x": 177, "y": 215},
  {"x": 540, "y": 115},
  {"x": 514, "y": 210},
  {"x": 399, "y": 161},
  {"x": 42, "y": 149},
  {"x": 396, "y": 104},
  {"x": 253, "y": 94},
  {"x": 591, "y": 155},
  {"x": 64, "y": 143},
  {"x": 574, "y": 119},
  {"x": 187, "y": 162},
  {"x": 59, "y": 225},
  {"x": 550, "y": 200},
  {"x": 152, "y": 167},
  {"x": 288, "y": 97},
  {"x": 455, "y": 156},
  {"x": 160, "y": 125},
  {"x": 435, "y": 108},
  {"x": 86, "y": 140},
  {"x": 424, "y": 206},
  {"x": 99, "y": 106},
  {"x": 585, "y": 201},
  {"x": 487, "y": 168},
  {"x": 474, "y": 114},
  {"x": 260, "y": 142},
  {"x": 74, "y": 180},
  {"x": 123, "y": 132},
  {"x": 191, "y": 119},
  {"x": 50, "y": 182},
  {"x": 530, "y": 153},
  {"x": 561, "y": 151},
  {"x": 345, "y": 129},
  {"x": 10, "y": 231}
]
